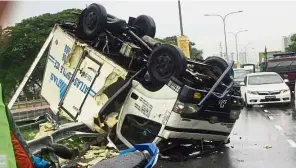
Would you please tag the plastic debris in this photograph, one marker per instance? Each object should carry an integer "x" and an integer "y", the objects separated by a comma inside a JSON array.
[
  {"x": 98, "y": 153},
  {"x": 111, "y": 119},
  {"x": 239, "y": 160},
  {"x": 267, "y": 147},
  {"x": 82, "y": 164},
  {"x": 93, "y": 162},
  {"x": 44, "y": 130}
]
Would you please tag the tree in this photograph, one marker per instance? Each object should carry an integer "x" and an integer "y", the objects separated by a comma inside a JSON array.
[
  {"x": 292, "y": 46},
  {"x": 194, "y": 52},
  {"x": 20, "y": 44}
]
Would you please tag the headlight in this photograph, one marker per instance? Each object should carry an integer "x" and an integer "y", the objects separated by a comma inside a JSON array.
[
  {"x": 188, "y": 108},
  {"x": 252, "y": 92},
  {"x": 285, "y": 90}
]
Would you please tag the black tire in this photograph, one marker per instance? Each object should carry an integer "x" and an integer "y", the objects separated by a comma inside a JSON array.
[
  {"x": 221, "y": 64},
  {"x": 92, "y": 21},
  {"x": 145, "y": 25},
  {"x": 246, "y": 103},
  {"x": 166, "y": 61}
]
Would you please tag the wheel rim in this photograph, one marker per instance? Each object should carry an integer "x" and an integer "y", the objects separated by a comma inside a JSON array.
[
  {"x": 164, "y": 65},
  {"x": 91, "y": 20}
]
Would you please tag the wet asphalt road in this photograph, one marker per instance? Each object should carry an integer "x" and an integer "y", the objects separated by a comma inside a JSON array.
[{"x": 273, "y": 126}]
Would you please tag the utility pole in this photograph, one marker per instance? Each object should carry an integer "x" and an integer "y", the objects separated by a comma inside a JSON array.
[
  {"x": 235, "y": 35},
  {"x": 221, "y": 54},
  {"x": 265, "y": 55},
  {"x": 224, "y": 25},
  {"x": 246, "y": 54},
  {"x": 180, "y": 17}
]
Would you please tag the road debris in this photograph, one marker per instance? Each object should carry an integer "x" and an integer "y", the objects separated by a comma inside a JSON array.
[
  {"x": 270, "y": 117},
  {"x": 239, "y": 160},
  {"x": 267, "y": 147},
  {"x": 96, "y": 154},
  {"x": 111, "y": 119},
  {"x": 44, "y": 130}
]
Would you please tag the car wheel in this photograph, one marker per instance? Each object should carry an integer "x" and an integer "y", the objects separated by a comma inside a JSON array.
[
  {"x": 145, "y": 25},
  {"x": 166, "y": 61},
  {"x": 92, "y": 21},
  {"x": 221, "y": 65},
  {"x": 246, "y": 102}
]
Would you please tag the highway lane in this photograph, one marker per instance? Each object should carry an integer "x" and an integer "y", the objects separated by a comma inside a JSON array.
[{"x": 263, "y": 137}]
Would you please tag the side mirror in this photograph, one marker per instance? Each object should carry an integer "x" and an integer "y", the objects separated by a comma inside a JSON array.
[
  {"x": 242, "y": 84},
  {"x": 286, "y": 80}
]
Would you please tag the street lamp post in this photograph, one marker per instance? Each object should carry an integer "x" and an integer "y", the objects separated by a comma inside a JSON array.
[
  {"x": 223, "y": 18},
  {"x": 235, "y": 35},
  {"x": 180, "y": 17}
]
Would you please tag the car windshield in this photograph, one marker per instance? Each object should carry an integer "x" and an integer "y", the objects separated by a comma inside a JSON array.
[
  {"x": 264, "y": 79},
  {"x": 239, "y": 74}
]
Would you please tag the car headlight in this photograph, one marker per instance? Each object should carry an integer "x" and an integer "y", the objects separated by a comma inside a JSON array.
[
  {"x": 252, "y": 92},
  {"x": 285, "y": 90}
]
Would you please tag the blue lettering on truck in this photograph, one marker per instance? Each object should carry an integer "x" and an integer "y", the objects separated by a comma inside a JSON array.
[
  {"x": 77, "y": 83},
  {"x": 60, "y": 83}
]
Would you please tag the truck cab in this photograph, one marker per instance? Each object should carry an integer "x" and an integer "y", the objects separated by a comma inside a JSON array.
[{"x": 285, "y": 65}]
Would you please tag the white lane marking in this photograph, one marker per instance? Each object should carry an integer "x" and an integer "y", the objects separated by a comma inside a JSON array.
[
  {"x": 278, "y": 127},
  {"x": 292, "y": 143},
  {"x": 266, "y": 111},
  {"x": 270, "y": 117}
]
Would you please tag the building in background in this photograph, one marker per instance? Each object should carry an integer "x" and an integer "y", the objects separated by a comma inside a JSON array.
[
  {"x": 269, "y": 55},
  {"x": 226, "y": 57},
  {"x": 242, "y": 57},
  {"x": 232, "y": 56},
  {"x": 286, "y": 41},
  {"x": 261, "y": 61}
]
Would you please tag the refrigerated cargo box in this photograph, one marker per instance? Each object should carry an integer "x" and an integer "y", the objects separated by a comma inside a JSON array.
[{"x": 77, "y": 77}]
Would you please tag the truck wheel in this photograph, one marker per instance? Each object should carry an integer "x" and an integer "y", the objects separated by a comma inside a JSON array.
[
  {"x": 92, "y": 21},
  {"x": 145, "y": 25},
  {"x": 221, "y": 64},
  {"x": 166, "y": 61}
]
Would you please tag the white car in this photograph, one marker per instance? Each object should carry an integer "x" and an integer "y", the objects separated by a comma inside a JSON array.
[{"x": 264, "y": 88}]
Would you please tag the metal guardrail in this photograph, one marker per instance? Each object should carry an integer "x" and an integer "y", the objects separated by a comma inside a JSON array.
[
  {"x": 29, "y": 104},
  {"x": 30, "y": 109},
  {"x": 58, "y": 135}
]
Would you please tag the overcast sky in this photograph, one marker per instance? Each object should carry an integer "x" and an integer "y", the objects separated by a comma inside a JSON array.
[{"x": 267, "y": 22}]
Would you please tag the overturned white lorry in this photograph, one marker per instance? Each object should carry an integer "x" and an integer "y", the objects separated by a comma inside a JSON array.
[{"x": 89, "y": 86}]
